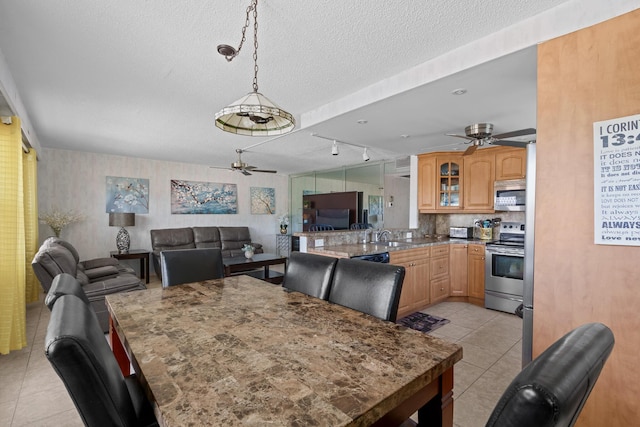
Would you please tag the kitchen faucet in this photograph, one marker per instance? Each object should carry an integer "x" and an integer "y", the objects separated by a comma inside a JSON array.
[{"x": 381, "y": 234}]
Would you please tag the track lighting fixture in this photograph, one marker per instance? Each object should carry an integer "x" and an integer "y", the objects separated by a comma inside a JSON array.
[
  {"x": 365, "y": 156},
  {"x": 334, "y": 148}
]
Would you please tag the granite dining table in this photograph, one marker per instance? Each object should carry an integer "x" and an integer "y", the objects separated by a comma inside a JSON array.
[{"x": 240, "y": 352}]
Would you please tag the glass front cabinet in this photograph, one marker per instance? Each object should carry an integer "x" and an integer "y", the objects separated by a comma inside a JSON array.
[{"x": 449, "y": 171}]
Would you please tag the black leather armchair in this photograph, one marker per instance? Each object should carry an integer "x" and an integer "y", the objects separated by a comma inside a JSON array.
[
  {"x": 190, "y": 265},
  {"x": 98, "y": 277},
  {"x": 77, "y": 350},
  {"x": 553, "y": 388},
  {"x": 370, "y": 287},
  {"x": 310, "y": 274}
]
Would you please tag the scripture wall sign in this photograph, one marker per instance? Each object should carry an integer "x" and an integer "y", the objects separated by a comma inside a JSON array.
[{"x": 617, "y": 181}]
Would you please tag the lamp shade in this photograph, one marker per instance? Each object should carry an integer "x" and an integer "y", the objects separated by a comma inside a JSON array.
[
  {"x": 254, "y": 115},
  {"x": 122, "y": 219}
]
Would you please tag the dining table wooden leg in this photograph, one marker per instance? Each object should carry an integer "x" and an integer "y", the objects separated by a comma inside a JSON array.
[
  {"x": 439, "y": 410},
  {"x": 118, "y": 350}
]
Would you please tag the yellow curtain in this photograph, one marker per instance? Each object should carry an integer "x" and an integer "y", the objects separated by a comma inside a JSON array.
[
  {"x": 13, "y": 335},
  {"x": 30, "y": 194}
]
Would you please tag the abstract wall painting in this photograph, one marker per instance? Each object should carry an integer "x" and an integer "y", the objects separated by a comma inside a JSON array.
[
  {"x": 127, "y": 195},
  {"x": 193, "y": 197},
  {"x": 376, "y": 208},
  {"x": 263, "y": 200}
]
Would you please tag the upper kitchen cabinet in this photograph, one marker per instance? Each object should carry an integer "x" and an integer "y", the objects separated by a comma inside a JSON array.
[
  {"x": 449, "y": 181},
  {"x": 439, "y": 182},
  {"x": 479, "y": 175},
  {"x": 511, "y": 163},
  {"x": 427, "y": 182}
]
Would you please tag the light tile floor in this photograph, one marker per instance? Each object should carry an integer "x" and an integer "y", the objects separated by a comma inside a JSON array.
[{"x": 31, "y": 394}]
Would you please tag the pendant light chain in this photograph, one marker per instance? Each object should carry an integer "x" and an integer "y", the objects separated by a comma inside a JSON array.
[
  {"x": 255, "y": 46},
  {"x": 252, "y": 6}
]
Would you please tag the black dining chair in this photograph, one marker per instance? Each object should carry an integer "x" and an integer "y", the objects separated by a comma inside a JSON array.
[
  {"x": 190, "y": 265},
  {"x": 76, "y": 348},
  {"x": 320, "y": 227},
  {"x": 310, "y": 274},
  {"x": 64, "y": 284},
  {"x": 370, "y": 287},
  {"x": 553, "y": 388}
]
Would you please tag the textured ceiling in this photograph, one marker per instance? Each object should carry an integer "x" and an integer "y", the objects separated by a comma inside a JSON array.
[{"x": 144, "y": 79}]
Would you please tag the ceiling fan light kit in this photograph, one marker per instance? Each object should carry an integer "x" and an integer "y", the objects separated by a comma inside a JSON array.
[{"x": 253, "y": 114}]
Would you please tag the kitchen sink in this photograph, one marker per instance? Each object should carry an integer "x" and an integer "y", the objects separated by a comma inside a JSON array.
[{"x": 392, "y": 244}]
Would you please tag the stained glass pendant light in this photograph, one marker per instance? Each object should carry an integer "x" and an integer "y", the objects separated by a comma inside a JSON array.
[{"x": 253, "y": 114}]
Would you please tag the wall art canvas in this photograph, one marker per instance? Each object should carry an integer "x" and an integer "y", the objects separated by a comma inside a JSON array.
[
  {"x": 192, "y": 197},
  {"x": 263, "y": 200},
  {"x": 127, "y": 195},
  {"x": 375, "y": 208}
]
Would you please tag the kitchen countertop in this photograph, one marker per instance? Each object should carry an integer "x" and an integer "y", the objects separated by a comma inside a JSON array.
[{"x": 358, "y": 249}]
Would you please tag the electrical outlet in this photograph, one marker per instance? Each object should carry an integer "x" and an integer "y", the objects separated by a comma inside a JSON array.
[{"x": 319, "y": 243}]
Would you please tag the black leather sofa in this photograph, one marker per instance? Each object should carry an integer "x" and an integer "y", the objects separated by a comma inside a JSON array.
[{"x": 229, "y": 239}]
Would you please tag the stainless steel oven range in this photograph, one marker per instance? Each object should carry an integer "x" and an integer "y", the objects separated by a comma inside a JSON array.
[{"x": 504, "y": 269}]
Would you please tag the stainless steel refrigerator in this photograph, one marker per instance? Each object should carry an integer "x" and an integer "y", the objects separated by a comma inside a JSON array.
[{"x": 529, "y": 250}]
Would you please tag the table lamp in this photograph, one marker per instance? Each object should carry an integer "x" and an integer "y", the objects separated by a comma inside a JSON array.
[{"x": 122, "y": 220}]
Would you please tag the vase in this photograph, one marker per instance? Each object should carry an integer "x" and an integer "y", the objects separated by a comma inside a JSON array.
[
  {"x": 283, "y": 229},
  {"x": 248, "y": 254}
]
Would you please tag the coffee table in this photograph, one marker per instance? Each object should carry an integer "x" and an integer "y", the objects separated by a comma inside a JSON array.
[{"x": 242, "y": 265}]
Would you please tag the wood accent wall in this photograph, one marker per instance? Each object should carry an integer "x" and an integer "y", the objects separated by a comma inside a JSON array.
[{"x": 584, "y": 77}]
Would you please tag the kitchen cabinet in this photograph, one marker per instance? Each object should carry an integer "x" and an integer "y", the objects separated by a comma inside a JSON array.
[
  {"x": 439, "y": 273},
  {"x": 449, "y": 181},
  {"x": 511, "y": 163},
  {"x": 458, "y": 270},
  {"x": 479, "y": 175},
  {"x": 415, "y": 293},
  {"x": 475, "y": 270},
  {"x": 427, "y": 179}
]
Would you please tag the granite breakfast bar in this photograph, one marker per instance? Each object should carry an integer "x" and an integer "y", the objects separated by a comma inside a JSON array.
[{"x": 236, "y": 351}]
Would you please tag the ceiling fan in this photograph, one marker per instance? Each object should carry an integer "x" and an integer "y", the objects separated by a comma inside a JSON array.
[
  {"x": 480, "y": 133},
  {"x": 243, "y": 167}
]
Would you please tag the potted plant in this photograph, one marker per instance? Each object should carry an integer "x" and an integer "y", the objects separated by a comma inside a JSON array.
[
  {"x": 248, "y": 250},
  {"x": 284, "y": 223},
  {"x": 57, "y": 219}
]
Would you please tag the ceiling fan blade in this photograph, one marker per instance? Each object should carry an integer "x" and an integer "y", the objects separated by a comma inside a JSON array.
[
  {"x": 521, "y": 132},
  {"x": 263, "y": 171},
  {"x": 519, "y": 144},
  {"x": 461, "y": 136},
  {"x": 245, "y": 172},
  {"x": 217, "y": 167},
  {"x": 470, "y": 150},
  {"x": 250, "y": 167}
]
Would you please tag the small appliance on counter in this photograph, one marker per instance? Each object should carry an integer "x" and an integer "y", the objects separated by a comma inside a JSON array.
[{"x": 461, "y": 232}]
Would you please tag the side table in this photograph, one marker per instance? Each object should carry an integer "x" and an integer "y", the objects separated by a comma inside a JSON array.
[
  {"x": 283, "y": 244},
  {"x": 141, "y": 254}
]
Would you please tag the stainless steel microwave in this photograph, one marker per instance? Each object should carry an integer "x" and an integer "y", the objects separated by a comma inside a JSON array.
[{"x": 510, "y": 195}]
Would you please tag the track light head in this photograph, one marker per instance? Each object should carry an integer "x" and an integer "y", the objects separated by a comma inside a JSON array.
[
  {"x": 365, "y": 156},
  {"x": 334, "y": 148}
]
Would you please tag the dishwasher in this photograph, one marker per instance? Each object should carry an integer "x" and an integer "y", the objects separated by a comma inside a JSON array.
[{"x": 381, "y": 257}]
